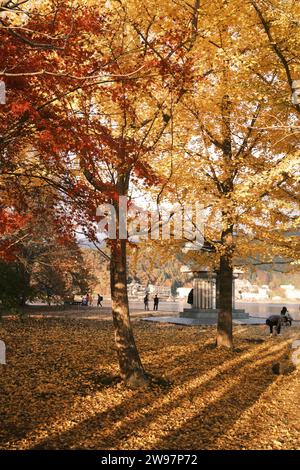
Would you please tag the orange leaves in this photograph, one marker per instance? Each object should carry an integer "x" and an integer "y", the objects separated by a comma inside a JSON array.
[
  {"x": 18, "y": 108},
  {"x": 11, "y": 225},
  {"x": 10, "y": 220},
  {"x": 61, "y": 389},
  {"x": 45, "y": 136}
]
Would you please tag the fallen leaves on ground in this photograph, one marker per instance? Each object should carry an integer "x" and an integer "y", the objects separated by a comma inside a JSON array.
[{"x": 61, "y": 390}]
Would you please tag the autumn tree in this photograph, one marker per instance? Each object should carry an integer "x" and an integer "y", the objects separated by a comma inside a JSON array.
[
  {"x": 40, "y": 256},
  {"x": 134, "y": 125},
  {"x": 108, "y": 135},
  {"x": 227, "y": 157},
  {"x": 173, "y": 96}
]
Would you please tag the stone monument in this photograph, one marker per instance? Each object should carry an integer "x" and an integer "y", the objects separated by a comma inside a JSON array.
[{"x": 205, "y": 298}]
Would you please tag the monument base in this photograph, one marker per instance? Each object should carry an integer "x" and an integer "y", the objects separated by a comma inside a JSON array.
[{"x": 211, "y": 313}]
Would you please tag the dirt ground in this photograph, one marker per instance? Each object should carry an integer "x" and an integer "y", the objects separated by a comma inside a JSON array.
[{"x": 60, "y": 388}]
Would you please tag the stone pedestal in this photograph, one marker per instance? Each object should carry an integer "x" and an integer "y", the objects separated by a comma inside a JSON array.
[
  {"x": 204, "y": 292},
  {"x": 211, "y": 314},
  {"x": 206, "y": 298}
]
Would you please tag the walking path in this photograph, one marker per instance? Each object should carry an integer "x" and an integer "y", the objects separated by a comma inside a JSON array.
[
  {"x": 206, "y": 321},
  {"x": 162, "y": 316}
]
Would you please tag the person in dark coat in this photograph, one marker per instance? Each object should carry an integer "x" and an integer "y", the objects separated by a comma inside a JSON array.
[
  {"x": 190, "y": 299},
  {"x": 146, "y": 302},
  {"x": 156, "y": 302},
  {"x": 274, "y": 321},
  {"x": 99, "y": 300}
]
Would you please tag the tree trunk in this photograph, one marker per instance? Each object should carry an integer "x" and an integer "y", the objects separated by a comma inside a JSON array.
[
  {"x": 224, "y": 332},
  {"x": 26, "y": 283},
  {"x": 131, "y": 368}
]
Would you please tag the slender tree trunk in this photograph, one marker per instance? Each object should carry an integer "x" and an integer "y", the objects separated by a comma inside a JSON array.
[
  {"x": 131, "y": 368},
  {"x": 224, "y": 331},
  {"x": 26, "y": 283}
]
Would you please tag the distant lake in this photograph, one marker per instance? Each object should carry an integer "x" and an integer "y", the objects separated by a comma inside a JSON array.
[{"x": 256, "y": 309}]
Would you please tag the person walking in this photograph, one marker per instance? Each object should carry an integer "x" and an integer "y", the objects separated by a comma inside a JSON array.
[
  {"x": 156, "y": 302},
  {"x": 99, "y": 300}
]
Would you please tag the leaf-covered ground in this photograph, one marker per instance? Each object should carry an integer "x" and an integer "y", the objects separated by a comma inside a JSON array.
[{"x": 60, "y": 389}]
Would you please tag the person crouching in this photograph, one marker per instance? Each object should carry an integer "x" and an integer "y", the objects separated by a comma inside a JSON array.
[{"x": 274, "y": 321}]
